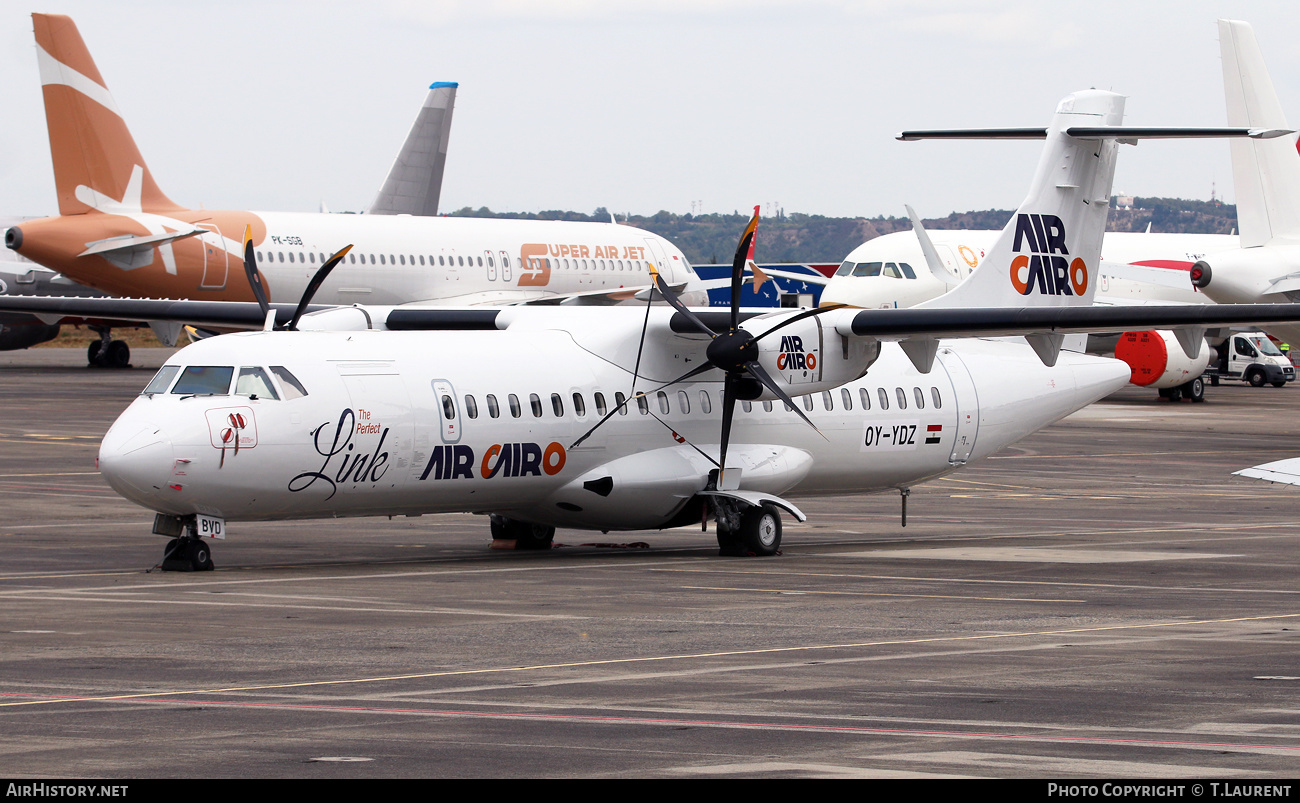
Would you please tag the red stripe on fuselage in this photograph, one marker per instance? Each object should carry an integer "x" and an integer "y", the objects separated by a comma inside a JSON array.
[{"x": 1170, "y": 264}]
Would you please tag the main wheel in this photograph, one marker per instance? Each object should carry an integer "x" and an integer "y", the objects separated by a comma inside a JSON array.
[
  {"x": 524, "y": 534},
  {"x": 1174, "y": 394},
  {"x": 94, "y": 353},
  {"x": 1195, "y": 390},
  {"x": 118, "y": 356},
  {"x": 760, "y": 530}
]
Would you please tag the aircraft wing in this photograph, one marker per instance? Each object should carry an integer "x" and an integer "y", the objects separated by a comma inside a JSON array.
[
  {"x": 880, "y": 324},
  {"x": 214, "y": 314},
  {"x": 1286, "y": 471}
]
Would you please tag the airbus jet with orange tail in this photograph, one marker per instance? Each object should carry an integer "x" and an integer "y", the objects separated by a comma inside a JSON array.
[{"x": 117, "y": 231}]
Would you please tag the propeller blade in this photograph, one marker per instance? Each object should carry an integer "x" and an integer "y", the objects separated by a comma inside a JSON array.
[
  {"x": 697, "y": 370},
  {"x": 314, "y": 285},
  {"x": 254, "y": 276},
  {"x": 760, "y": 373},
  {"x": 671, "y": 298},
  {"x": 728, "y": 411},
  {"x": 796, "y": 318},
  {"x": 743, "y": 251}
]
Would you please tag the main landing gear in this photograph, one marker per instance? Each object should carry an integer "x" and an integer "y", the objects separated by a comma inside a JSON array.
[
  {"x": 523, "y": 534},
  {"x": 747, "y": 530},
  {"x": 106, "y": 352},
  {"x": 1193, "y": 390}
]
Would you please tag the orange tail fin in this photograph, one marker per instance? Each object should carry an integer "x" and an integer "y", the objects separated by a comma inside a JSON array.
[{"x": 97, "y": 165}]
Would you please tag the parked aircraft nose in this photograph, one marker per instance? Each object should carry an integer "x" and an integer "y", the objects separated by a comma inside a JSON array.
[{"x": 137, "y": 462}]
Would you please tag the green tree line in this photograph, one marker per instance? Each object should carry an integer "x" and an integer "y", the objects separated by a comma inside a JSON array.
[{"x": 798, "y": 237}]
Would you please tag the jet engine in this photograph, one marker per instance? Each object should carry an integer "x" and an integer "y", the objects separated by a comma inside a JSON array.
[{"x": 1158, "y": 361}]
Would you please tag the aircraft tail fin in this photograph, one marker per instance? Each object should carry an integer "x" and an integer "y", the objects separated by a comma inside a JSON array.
[
  {"x": 1266, "y": 175},
  {"x": 414, "y": 182},
  {"x": 97, "y": 165},
  {"x": 1048, "y": 254}
]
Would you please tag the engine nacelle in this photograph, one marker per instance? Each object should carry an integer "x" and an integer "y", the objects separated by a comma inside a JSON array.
[
  {"x": 807, "y": 357},
  {"x": 1158, "y": 361}
]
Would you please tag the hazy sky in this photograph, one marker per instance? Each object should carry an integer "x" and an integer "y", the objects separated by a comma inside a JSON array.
[{"x": 638, "y": 105}]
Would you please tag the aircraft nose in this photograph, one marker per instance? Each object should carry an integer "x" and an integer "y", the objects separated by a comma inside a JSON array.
[{"x": 137, "y": 462}]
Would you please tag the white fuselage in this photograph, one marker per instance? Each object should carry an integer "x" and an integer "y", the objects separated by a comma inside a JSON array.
[
  {"x": 861, "y": 283},
  {"x": 395, "y": 259},
  {"x": 484, "y": 421}
]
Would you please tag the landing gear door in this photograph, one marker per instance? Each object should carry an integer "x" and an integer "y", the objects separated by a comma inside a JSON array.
[
  {"x": 448, "y": 410},
  {"x": 967, "y": 404}
]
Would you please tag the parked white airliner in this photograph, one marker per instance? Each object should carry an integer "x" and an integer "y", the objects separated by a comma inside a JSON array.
[{"x": 617, "y": 418}]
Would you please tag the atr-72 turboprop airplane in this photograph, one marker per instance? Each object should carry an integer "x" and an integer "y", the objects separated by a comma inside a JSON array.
[
  {"x": 119, "y": 233},
  {"x": 616, "y": 418}
]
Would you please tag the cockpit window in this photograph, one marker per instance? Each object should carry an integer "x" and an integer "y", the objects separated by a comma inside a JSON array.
[
  {"x": 293, "y": 389},
  {"x": 161, "y": 380},
  {"x": 255, "y": 384},
  {"x": 845, "y": 269},
  {"x": 907, "y": 270},
  {"x": 892, "y": 271},
  {"x": 868, "y": 269},
  {"x": 204, "y": 380}
]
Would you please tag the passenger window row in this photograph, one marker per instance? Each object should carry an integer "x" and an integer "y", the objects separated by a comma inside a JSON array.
[
  {"x": 454, "y": 260},
  {"x": 663, "y": 402}
]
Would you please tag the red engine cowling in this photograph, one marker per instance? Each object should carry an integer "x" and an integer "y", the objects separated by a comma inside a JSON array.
[{"x": 1158, "y": 361}]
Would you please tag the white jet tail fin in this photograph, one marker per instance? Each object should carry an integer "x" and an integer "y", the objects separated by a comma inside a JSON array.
[
  {"x": 1048, "y": 254},
  {"x": 414, "y": 182},
  {"x": 1266, "y": 175}
]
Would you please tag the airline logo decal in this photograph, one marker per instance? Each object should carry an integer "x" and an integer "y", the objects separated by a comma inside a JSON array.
[
  {"x": 1047, "y": 269},
  {"x": 793, "y": 357},
  {"x": 232, "y": 428},
  {"x": 458, "y": 461},
  {"x": 535, "y": 258},
  {"x": 898, "y": 435},
  {"x": 353, "y": 454}
]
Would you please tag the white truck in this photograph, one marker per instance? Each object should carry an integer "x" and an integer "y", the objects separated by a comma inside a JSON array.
[{"x": 1250, "y": 357}]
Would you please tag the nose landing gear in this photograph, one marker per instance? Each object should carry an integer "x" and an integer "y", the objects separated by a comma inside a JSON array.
[{"x": 187, "y": 554}]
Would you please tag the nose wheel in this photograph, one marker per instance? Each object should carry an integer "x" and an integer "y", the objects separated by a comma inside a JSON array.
[{"x": 187, "y": 554}]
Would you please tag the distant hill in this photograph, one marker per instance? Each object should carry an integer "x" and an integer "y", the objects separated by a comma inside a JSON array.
[{"x": 797, "y": 237}]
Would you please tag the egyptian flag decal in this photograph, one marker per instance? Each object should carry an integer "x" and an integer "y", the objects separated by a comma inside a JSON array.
[{"x": 932, "y": 433}]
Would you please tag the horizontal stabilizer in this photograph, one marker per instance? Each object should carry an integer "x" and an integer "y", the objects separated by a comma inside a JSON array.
[
  {"x": 132, "y": 243},
  {"x": 1286, "y": 471},
  {"x": 1125, "y": 133},
  {"x": 1147, "y": 274}
]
